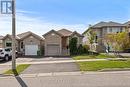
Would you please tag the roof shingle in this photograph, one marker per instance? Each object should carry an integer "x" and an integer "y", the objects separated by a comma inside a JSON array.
[
  {"x": 65, "y": 32},
  {"x": 25, "y": 34},
  {"x": 108, "y": 24},
  {"x": 1, "y": 37}
]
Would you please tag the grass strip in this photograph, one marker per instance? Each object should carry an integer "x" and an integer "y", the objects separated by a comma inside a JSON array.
[
  {"x": 100, "y": 65},
  {"x": 20, "y": 68}
]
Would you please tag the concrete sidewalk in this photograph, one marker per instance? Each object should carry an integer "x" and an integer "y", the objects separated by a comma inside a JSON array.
[
  {"x": 4, "y": 68},
  {"x": 62, "y": 61}
]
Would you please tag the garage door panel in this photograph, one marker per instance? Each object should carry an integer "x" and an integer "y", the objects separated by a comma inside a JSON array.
[
  {"x": 31, "y": 49},
  {"x": 53, "y": 49}
]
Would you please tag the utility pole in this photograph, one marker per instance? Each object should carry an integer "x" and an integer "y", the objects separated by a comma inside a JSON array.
[
  {"x": 7, "y": 9},
  {"x": 13, "y": 35}
]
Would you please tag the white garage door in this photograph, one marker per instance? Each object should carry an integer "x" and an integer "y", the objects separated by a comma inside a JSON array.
[
  {"x": 31, "y": 49},
  {"x": 53, "y": 50}
]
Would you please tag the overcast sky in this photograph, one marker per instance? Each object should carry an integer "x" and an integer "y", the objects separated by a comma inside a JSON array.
[{"x": 40, "y": 16}]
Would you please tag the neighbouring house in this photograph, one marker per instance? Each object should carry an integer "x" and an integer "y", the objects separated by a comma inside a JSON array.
[
  {"x": 30, "y": 43},
  {"x": 56, "y": 42},
  {"x": 7, "y": 41},
  {"x": 27, "y": 43},
  {"x": 127, "y": 24},
  {"x": 101, "y": 29},
  {"x": 1, "y": 41}
]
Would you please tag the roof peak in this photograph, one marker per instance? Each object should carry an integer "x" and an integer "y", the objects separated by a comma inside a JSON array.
[{"x": 65, "y": 30}]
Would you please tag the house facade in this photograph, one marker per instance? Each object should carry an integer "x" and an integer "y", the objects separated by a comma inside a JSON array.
[
  {"x": 27, "y": 44},
  {"x": 1, "y": 41},
  {"x": 57, "y": 42},
  {"x": 7, "y": 42},
  {"x": 30, "y": 43},
  {"x": 101, "y": 29}
]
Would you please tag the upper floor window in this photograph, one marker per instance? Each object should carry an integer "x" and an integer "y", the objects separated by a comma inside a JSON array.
[
  {"x": 96, "y": 39},
  {"x": 1, "y": 41},
  {"x": 8, "y": 44},
  {"x": 21, "y": 44},
  {"x": 110, "y": 30}
]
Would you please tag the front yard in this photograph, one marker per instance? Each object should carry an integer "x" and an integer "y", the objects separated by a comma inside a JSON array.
[
  {"x": 101, "y": 65},
  {"x": 110, "y": 63},
  {"x": 100, "y": 56}
]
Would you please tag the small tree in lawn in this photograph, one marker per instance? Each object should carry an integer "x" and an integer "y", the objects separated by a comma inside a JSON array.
[
  {"x": 91, "y": 37},
  {"x": 118, "y": 41},
  {"x": 109, "y": 40},
  {"x": 80, "y": 49},
  {"x": 73, "y": 46}
]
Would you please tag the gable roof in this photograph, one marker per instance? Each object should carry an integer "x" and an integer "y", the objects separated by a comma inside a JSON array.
[
  {"x": 65, "y": 32},
  {"x": 52, "y": 31},
  {"x": 26, "y": 34},
  {"x": 1, "y": 37},
  {"x": 86, "y": 31},
  {"x": 75, "y": 32},
  {"x": 10, "y": 36},
  {"x": 127, "y": 23},
  {"x": 22, "y": 35},
  {"x": 98, "y": 25},
  {"x": 108, "y": 24}
]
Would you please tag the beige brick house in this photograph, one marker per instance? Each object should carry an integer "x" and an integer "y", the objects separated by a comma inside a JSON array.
[
  {"x": 30, "y": 43},
  {"x": 7, "y": 42},
  {"x": 27, "y": 43},
  {"x": 1, "y": 41},
  {"x": 56, "y": 42},
  {"x": 101, "y": 29}
]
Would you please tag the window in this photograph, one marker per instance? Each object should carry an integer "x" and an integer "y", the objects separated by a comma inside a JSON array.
[
  {"x": 21, "y": 44},
  {"x": 8, "y": 44},
  {"x": 31, "y": 37},
  {"x": 96, "y": 39},
  {"x": 52, "y": 34},
  {"x": 110, "y": 30},
  {"x": 1, "y": 41}
]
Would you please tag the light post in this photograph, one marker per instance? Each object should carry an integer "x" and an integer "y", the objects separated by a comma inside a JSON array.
[{"x": 13, "y": 35}]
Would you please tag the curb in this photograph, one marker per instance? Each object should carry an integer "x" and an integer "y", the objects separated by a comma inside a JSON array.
[{"x": 61, "y": 74}]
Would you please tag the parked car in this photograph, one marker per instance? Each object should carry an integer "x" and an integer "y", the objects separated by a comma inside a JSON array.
[{"x": 6, "y": 54}]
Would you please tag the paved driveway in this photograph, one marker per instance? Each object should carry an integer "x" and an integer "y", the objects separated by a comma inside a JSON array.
[
  {"x": 49, "y": 68},
  {"x": 43, "y": 68},
  {"x": 54, "y": 67}
]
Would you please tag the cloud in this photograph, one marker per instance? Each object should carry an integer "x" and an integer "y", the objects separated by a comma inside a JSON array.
[{"x": 38, "y": 25}]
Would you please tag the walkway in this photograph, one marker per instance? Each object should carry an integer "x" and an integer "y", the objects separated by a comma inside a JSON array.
[{"x": 61, "y": 61}]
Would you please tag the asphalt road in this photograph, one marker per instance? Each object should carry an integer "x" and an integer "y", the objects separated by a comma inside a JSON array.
[{"x": 120, "y": 79}]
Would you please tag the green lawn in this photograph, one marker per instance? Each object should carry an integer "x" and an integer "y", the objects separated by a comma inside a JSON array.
[
  {"x": 19, "y": 69},
  {"x": 99, "y": 65},
  {"x": 92, "y": 56}
]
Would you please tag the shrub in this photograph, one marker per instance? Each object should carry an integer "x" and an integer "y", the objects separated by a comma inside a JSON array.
[
  {"x": 80, "y": 49},
  {"x": 73, "y": 46},
  {"x": 86, "y": 48}
]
